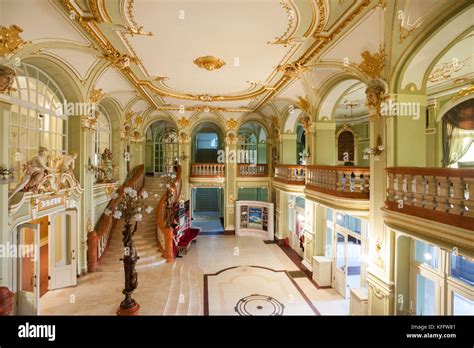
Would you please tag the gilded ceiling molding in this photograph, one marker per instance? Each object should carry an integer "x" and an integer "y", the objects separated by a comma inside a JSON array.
[
  {"x": 113, "y": 55},
  {"x": 318, "y": 45},
  {"x": 292, "y": 70},
  {"x": 202, "y": 108},
  {"x": 405, "y": 32},
  {"x": 99, "y": 11},
  {"x": 323, "y": 17},
  {"x": 135, "y": 29},
  {"x": 284, "y": 39},
  {"x": 209, "y": 63},
  {"x": 10, "y": 40}
]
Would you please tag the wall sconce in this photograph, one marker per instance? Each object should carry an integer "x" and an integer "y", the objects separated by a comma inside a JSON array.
[{"x": 375, "y": 151}]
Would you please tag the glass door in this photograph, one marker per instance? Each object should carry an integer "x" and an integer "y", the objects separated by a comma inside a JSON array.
[
  {"x": 28, "y": 269},
  {"x": 63, "y": 250},
  {"x": 339, "y": 262}
]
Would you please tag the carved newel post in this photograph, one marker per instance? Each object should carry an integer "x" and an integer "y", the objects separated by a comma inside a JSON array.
[{"x": 129, "y": 306}]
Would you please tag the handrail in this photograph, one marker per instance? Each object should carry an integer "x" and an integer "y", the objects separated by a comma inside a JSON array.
[
  {"x": 445, "y": 195},
  {"x": 165, "y": 233},
  {"x": 340, "y": 181},
  {"x": 97, "y": 239},
  {"x": 292, "y": 174}
]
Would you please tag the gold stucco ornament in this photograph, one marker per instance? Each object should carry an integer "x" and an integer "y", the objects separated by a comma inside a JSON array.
[{"x": 209, "y": 63}]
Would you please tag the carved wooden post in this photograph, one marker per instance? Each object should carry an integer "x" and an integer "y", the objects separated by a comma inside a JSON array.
[{"x": 6, "y": 301}]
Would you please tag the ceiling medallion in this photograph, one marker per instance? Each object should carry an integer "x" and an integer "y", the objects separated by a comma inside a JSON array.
[{"x": 209, "y": 63}]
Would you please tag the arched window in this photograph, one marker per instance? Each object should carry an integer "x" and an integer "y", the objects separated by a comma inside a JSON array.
[
  {"x": 458, "y": 135},
  {"x": 37, "y": 117},
  {"x": 252, "y": 144},
  {"x": 345, "y": 146},
  {"x": 103, "y": 134}
]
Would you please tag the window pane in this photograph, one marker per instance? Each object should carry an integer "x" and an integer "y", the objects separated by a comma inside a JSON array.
[
  {"x": 462, "y": 269},
  {"x": 426, "y": 254},
  {"x": 425, "y": 296},
  {"x": 462, "y": 305}
]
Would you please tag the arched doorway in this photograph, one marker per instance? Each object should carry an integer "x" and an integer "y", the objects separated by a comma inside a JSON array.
[{"x": 161, "y": 148}]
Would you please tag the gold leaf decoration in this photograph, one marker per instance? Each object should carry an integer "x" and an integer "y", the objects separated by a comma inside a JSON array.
[
  {"x": 372, "y": 63},
  {"x": 96, "y": 95},
  {"x": 209, "y": 63},
  {"x": 183, "y": 122},
  {"x": 304, "y": 104},
  {"x": 231, "y": 123},
  {"x": 10, "y": 40}
]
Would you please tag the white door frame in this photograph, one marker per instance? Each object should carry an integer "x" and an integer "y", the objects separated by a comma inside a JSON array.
[
  {"x": 28, "y": 302},
  {"x": 63, "y": 276}
]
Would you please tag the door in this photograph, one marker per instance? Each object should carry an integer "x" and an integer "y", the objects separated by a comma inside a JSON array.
[
  {"x": 63, "y": 250},
  {"x": 28, "y": 269},
  {"x": 425, "y": 286},
  {"x": 339, "y": 263}
]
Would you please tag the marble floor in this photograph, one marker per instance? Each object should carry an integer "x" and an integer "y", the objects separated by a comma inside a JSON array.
[{"x": 220, "y": 275}]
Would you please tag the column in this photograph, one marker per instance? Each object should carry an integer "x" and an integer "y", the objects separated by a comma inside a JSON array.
[
  {"x": 381, "y": 238},
  {"x": 185, "y": 162},
  {"x": 84, "y": 147},
  {"x": 6, "y": 279},
  {"x": 281, "y": 211},
  {"x": 325, "y": 144},
  {"x": 230, "y": 192},
  {"x": 309, "y": 234}
]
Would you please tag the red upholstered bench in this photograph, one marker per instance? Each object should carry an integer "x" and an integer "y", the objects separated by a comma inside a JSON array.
[{"x": 187, "y": 238}]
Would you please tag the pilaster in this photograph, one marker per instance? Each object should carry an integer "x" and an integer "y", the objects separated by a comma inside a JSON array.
[{"x": 5, "y": 278}]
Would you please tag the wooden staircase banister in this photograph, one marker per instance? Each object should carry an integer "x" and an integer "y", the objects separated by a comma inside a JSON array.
[
  {"x": 98, "y": 238},
  {"x": 163, "y": 230}
]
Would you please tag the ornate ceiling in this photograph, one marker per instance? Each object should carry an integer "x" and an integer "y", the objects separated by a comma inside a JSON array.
[{"x": 236, "y": 57}]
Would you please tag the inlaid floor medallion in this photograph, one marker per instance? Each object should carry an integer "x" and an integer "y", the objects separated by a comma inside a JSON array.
[{"x": 259, "y": 305}]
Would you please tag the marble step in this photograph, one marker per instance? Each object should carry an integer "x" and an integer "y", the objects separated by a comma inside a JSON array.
[{"x": 185, "y": 292}]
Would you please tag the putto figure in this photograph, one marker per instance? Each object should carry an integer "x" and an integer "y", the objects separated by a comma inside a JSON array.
[{"x": 35, "y": 170}]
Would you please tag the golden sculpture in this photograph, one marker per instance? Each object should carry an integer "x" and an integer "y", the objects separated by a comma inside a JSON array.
[
  {"x": 294, "y": 69},
  {"x": 96, "y": 95},
  {"x": 304, "y": 104},
  {"x": 372, "y": 63},
  {"x": 7, "y": 77},
  {"x": 10, "y": 40},
  {"x": 183, "y": 122},
  {"x": 209, "y": 63},
  {"x": 231, "y": 123}
]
